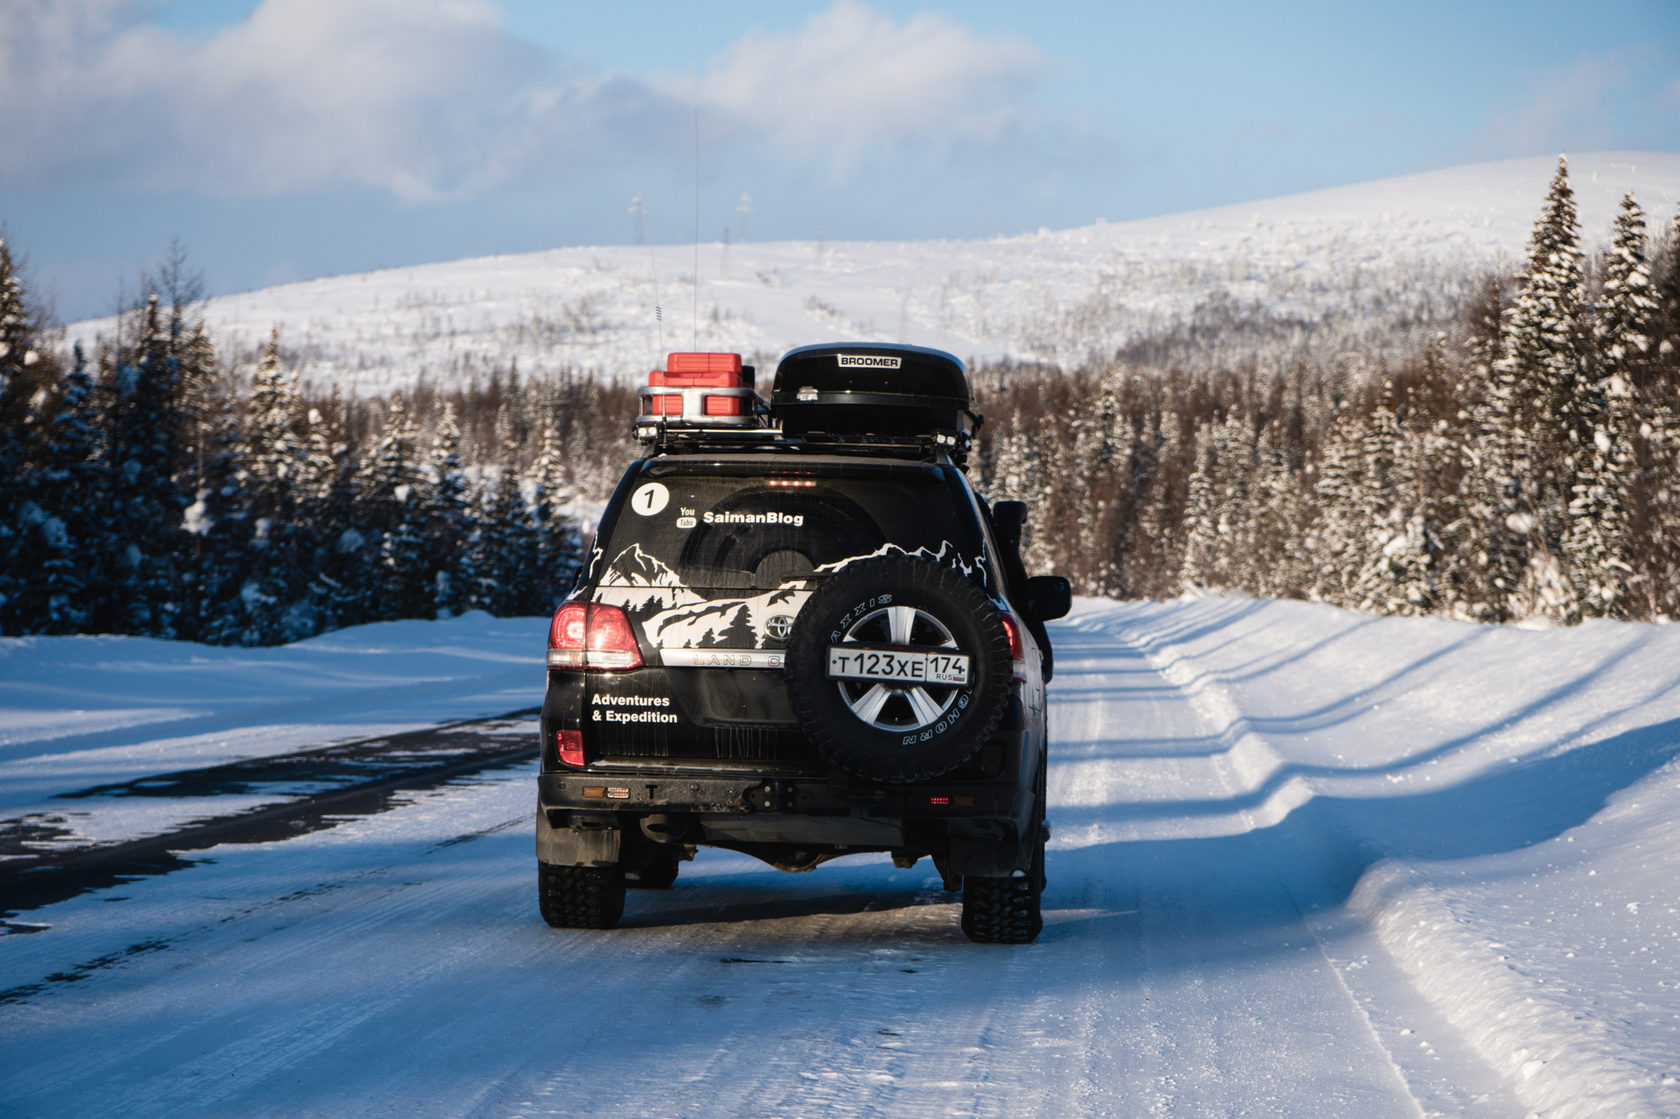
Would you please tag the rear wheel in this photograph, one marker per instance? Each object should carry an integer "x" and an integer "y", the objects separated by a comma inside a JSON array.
[
  {"x": 580, "y": 897},
  {"x": 1010, "y": 910}
]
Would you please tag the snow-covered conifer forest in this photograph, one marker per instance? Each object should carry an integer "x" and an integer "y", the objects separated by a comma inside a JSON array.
[{"x": 1439, "y": 431}]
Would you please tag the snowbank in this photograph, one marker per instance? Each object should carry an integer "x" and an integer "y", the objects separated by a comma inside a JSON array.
[
  {"x": 79, "y": 711},
  {"x": 1498, "y": 806}
]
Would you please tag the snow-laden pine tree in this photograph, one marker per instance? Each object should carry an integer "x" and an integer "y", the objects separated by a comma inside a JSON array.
[
  {"x": 506, "y": 562},
  {"x": 1598, "y": 545},
  {"x": 1228, "y": 560},
  {"x": 340, "y": 589},
  {"x": 1200, "y": 557},
  {"x": 221, "y": 604},
  {"x": 19, "y": 434},
  {"x": 1665, "y": 291},
  {"x": 1397, "y": 575},
  {"x": 1661, "y": 439},
  {"x": 1159, "y": 552},
  {"x": 273, "y": 452},
  {"x": 61, "y": 495},
  {"x": 270, "y": 454},
  {"x": 395, "y": 507},
  {"x": 150, "y": 443},
  {"x": 1538, "y": 414},
  {"x": 1084, "y": 502},
  {"x": 452, "y": 519},
  {"x": 559, "y": 543},
  {"x": 1344, "y": 510},
  {"x": 1276, "y": 519}
]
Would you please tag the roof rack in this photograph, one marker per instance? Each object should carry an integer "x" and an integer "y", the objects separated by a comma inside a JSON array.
[
  {"x": 838, "y": 398},
  {"x": 687, "y": 439}
]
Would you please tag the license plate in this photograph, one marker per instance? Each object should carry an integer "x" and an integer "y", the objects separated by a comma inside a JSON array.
[{"x": 945, "y": 669}]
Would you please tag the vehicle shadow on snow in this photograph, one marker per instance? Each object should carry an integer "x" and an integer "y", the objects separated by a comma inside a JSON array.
[
  {"x": 768, "y": 896},
  {"x": 1319, "y": 850},
  {"x": 1223, "y": 887}
]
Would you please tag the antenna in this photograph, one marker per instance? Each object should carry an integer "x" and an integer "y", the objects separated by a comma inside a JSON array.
[
  {"x": 696, "y": 228},
  {"x": 658, "y": 311}
]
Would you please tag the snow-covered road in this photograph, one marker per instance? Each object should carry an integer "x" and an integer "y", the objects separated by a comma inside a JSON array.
[{"x": 1305, "y": 863}]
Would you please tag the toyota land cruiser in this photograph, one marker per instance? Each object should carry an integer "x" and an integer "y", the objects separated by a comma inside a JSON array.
[{"x": 800, "y": 634}]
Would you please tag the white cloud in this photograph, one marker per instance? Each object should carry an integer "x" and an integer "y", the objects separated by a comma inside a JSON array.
[
  {"x": 851, "y": 80},
  {"x": 419, "y": 98},
  {"x": 432, "y": 99}
]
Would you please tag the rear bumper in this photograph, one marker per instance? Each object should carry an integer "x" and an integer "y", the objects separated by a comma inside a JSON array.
[{"x": 640, "y": 792}]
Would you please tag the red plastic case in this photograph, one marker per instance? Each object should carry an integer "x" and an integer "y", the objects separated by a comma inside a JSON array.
[{"x": 704, "y": 371}]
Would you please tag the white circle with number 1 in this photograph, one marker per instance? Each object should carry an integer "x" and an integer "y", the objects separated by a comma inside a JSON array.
[{"x": 650, "y": 499}]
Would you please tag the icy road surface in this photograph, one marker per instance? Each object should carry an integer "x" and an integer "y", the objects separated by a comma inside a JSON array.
[{"x": 1305, "y": 863}]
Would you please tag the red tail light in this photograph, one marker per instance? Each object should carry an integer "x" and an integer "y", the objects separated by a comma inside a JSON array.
[
  {"x": 589, "y": 635},
  {"x": 1017, "y": 652},
  {"x": 570, "y": 745}
]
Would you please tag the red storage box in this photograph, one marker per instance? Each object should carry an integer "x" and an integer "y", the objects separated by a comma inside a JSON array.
[{"x": 700, "y": 371}]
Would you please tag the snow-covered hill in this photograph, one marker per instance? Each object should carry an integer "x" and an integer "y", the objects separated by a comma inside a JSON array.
[
  {"x": 1368, "y": 257},
  {"x": 1305, "y": 862}
]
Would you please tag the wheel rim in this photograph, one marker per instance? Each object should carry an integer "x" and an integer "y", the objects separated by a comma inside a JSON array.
[{"x": 899, "y": 707}]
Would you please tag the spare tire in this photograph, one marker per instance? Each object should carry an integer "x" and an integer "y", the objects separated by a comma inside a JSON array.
[{"x": 898, "y": 669}]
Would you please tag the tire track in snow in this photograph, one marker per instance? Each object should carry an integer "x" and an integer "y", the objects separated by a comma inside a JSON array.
[{"x": 1550, "y": 1053}]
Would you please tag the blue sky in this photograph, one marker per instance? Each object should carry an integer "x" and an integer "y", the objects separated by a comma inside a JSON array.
[{"x": 288, "y": 139}]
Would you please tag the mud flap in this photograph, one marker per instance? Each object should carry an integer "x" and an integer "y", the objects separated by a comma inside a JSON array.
[
  {"x": 579, "y": 843},
  {"x": 988, "y": 856}
]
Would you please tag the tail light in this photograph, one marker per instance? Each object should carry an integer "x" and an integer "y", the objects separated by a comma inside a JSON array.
[
  {"x": 590, "y": 635},
  {"x": 569, "y": 744},
  {"x": 1017, "y": 651}
]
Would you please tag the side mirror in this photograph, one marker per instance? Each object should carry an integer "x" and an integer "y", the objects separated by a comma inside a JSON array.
[{"x": 1048, "y": 597}]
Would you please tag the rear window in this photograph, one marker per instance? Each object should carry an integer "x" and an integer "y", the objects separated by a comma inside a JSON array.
[{"x": 756, "y": 525}]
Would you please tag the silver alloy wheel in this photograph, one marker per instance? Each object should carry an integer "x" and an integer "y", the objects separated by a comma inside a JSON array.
[{"x": 898, "y": 707}]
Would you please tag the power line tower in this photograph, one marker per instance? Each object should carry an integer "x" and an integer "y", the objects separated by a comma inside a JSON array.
[{"x": 638, "y": 210}]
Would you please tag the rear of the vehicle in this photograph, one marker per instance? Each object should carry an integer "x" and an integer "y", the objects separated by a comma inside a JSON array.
[{"x": 796, "y": 655}]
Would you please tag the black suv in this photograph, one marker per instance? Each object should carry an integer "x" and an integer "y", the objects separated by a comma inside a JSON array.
[{"x": 800, "y": 634}]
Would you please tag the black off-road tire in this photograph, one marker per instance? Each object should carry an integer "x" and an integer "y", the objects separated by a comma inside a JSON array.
[
  {"x": 919, "y": 731},
  {"x": 580, "y": 897},
  {"x": 1010, "y": 910}
]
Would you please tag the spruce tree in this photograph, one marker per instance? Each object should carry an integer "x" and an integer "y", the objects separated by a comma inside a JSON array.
[
  {"x": 1343, "y": 510},
  {"x": 1157, "y": 557},
  {"x": 72, "y": 487},
  {"x": 507, "y": 558},
  {"x": 147, "y": 440},
  {"x": 1200, "y": 526},
  {"x": 273, "y": 451},
  {"x": 1539, "y": 414},
  {"x": 396, "y": 506},
  {"x": 226, "y": 602},
  {"x": 1397, "y": 574},
  {"x": 341, "y": 586},
  {"x": 19, "y": 437},
  {"x": 559, "y": 543},
  {"x": 1599, "y": 545},
  {"x": 264, "y": 463},
  {"x": 451, "y": 519}
]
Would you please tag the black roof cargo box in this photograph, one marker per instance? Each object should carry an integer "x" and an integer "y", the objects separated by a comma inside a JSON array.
[{"x": 852, "y": 389}]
